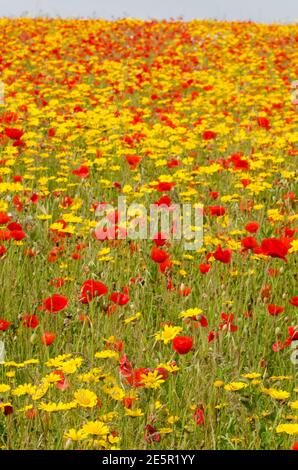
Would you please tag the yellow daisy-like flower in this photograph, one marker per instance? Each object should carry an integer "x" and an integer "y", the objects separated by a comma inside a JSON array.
[
  {"x": 134, "y": 413},
  {"x": 288, "y": 428},
  {"x": 251, "y": 375},
  {"x": 168, "y": 333},
  {"x": 96, "y": 428},
  {"x": 191, "y": 312},
  {"x": 24, "y": 389},
  {"x": 152, "y": 379},
  {"x": 235, "y": 386},
  {"x": 294, "y": 404},
  {"x": 75, "y": 435},
  {"x": 85, "y": 398},
  {"x": 218, "y": 383},
  {"x": 107, "y": 354},
  {"x": 276, "y": 394},
  {"x": 4, "y": 388}
]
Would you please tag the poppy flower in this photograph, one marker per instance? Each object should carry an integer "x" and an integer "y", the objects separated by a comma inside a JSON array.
[
  {"x": 164, "y": 201},
  {"x": 209, "y": 135},
  {"x": 133, "y": 161},
  {"x": 252, "y": 227},
  {"x": 274, "y": 247},
  {"x": 4, "y": 324},
  {"x": 119, "y": 298},
  {"x": 224, "y": 256},
  {"x": 295, "y": 446},
  {"x": 5, "y": 235},
  {"x": 91, "y": 289},
  {"x": 30, "y": 321},
  {"x": 275, "y": 309},
  {"x": 164, "y": 186},
  {"x": 264, "y": 122},
  {"x": 199, "y": 416},
  {"x": 249, "y": 243},
  {"x": 14, "y": 134},
  {"x": 227, "y": 323},
  {"x": 48, "y": 338},
  {"x": 294, "y": 301},
  {"x": 182, "y": 344},
  {"x": 204, "y": 268},
  {"x": 55, "y": 303},
  {"x": 17, "y": 234},
  {"x": 82, "y": 172},
  {"x": 4, "y": 218},
  {"x": 2, "y": 250},
  {"x": 158, "y": 255},
  {"x": 160, "y": 238},
  {"x": 216, "y": 211}
]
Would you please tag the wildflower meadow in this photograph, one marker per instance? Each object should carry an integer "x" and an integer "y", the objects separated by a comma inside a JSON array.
[{"x": 117, "y": 333}]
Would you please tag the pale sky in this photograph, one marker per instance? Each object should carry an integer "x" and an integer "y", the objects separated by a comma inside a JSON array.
[{"x": 266, "y": 11}]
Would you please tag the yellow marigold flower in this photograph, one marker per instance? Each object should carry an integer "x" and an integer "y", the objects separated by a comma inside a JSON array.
[
  {"x": 10, "y": 374},
  {"x": 294, "y": 404},
  {"x": 152, "y": 379},
  {"x": 75, "y": 435},
  {"x": 294, "y": 246},
  {"x": 96, "y": 428},
  {"x": 107, "y": 354},
  {"x": 134, "y": 413},
  {"x": 218, "y": 383},
  {"x": 165, "y": 430},
  {"x": 251, "y": 375},
  {"x": 41, "y": 390},
  {"x": 113, "y": 439},
  {"x": 191, "y": 312},
  {"x": 4, "y": 404},
  {"x": 71, "y": 366},
  {"x": 277, "y": 394},
  {"x": 173, "y": 419},
  {"x": 54, "y": 407},
  {"x": 132, "y": 318},
  {"x": 168, "y": 333},
  {"x": 234, "y": 386},
  {"x": 288, "y": 428},
  {"x": 57, "y": 361},
  {"x": 24, "y": 389},
  {"x": 85, "y": 398},
  {"x": 4, "y": 388}
]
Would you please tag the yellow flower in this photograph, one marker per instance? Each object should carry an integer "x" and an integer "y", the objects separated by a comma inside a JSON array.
[
  {"x": 168, "y": 333},
  {"x": 289, "y": 428},
  {"x": 218, "y": 383},
  {"x": 75, "y": 435},
  {"x": 85, "y": 398},
  {"x": 234, "y": 386},
  {"x": 107, "y": 354},
  {"x": 191, "y": 312},
  {"x": 24, "y": 389},
  {"x": 4, "y": 388},
  {"x": 96, "y": 428},
  {"x": 294, "y": 404},
  {"x": 277, "y": 394},
  {"x": 251, "y": 375},
  {"x": 134, "y": 413},
  {"x": 152, "y": 379}
]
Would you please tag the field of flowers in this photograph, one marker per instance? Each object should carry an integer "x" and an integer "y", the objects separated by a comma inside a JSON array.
[{"x": 113, "y": 343}]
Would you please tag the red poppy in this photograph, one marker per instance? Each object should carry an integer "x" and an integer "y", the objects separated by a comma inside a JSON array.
[
  {"x": 216, "y": 211},
  {"x": 30, "y": 321},
  {"x": 48, "y": 338},
  {"x": 133, "y": 161},
  {"x": 158, "y": 255},
  {"x": 119, "y": 298},
  {"x": 275, "y": 309},
  {"x": 295, "y": 446},
  {"x": 164, "y": 201},
  {"x": 274, "y": 247},
  {"x": 55, "y": 303},
  {"x": 164, "y": 186},
  {"x": 4, "y": 218},
  {"x": 252, "y": 227},
  {"x": 91, "y": 289},
  {"x": 2, "y": 250},
  {"x": 204, "y": 268},
  {"x": 17, "y": 234},
  {"x": 224, "y": 256},
  {"x": 160, "y": 238},
  {"x": 82, "y": 172},
  {"x": 182, "y": 344},
  {"x": 198, "y": 415},
  {"x": 4, "y": 324},
  {"x": 264, "y": 122},
  {"x": 227, "y": 323},
  {"x": 5, "y": 235},
  {"x": 294, "y": 301},
  {"x": 208, "y": 135},
  {"x": 14, "y": 134},
  {"x": 249, "y": 243}
]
